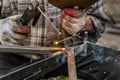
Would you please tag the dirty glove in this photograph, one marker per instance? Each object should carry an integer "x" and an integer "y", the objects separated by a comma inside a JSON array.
[
  {"x": 12, "y": 33},
  {"x": 73, "y": 21}
]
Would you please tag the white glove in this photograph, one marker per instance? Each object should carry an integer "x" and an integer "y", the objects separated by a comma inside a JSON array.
[
  {"x": 12, "y": 33},
  {"x": 73, "y": 20}
]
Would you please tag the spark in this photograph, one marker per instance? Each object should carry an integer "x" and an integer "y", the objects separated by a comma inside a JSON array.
[
  {"x": 111, "y": 13},
  {"x": 56, "y": 42},
  {"x": 115, "y": 60},
  {"x": 88, "y": 17},
  {"x": 63, "y": 49},
  {"x": 90, "y": 68},
  {"x": 60, "y": 33},
  {"x": 93, "y": 51},
  {"x": 104, "y": 72}
]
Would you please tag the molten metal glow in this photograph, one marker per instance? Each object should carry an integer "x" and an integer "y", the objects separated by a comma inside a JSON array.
[
  {"x": 63, "y": 49},
  {"x": 60, "y": 33},
  {"x": 88, "y": 17},
  {"x": 56, "y": 42}
]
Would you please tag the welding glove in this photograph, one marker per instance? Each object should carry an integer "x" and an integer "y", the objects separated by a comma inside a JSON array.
[
  {"x": 12, "y": 33},
  {"x": 74, "y": 20}
]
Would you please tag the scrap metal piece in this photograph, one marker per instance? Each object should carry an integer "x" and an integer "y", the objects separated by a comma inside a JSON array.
[{"x": 62, "y": 4}]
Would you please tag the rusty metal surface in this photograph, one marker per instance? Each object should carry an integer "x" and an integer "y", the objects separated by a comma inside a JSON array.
[
  {"x": 71, "y": 3},
  {"x": 71, "y": 64}
]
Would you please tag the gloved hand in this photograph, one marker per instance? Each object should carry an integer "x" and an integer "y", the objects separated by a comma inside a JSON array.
[
  {"x": 12, "y": 33},
  {"x": 73, "y": 21}
]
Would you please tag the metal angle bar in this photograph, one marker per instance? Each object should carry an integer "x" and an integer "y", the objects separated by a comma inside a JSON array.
[
  {"x": 44, "y": 66},
  {"x": 71, "y": 64},
  {"x": 29, "y": 50}
]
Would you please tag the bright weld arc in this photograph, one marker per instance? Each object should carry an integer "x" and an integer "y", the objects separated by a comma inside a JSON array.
[
  {"x": 49, "y": 20},
  {"x": 63, "y": 49},
  {"x": 57, "y": 42}
]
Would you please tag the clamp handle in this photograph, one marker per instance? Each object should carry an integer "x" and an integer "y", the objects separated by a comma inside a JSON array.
[{"x": 30, "y": 13}]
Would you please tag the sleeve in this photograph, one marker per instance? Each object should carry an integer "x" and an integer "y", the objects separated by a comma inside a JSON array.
[
  {"x": 5, "y": 8},
  {"x": 1, "y": 8},
  {"x": 13, "y": 7},
  {"x": 99, "y": 19}
]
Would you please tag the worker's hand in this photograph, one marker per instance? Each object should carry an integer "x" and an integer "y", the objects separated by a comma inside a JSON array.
[
  {"x": 74, "y": 21},
  {"x": 12, "y": 33}
]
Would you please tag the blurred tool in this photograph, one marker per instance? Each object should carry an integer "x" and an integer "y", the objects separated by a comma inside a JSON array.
[{"x": 30, "y": 13}]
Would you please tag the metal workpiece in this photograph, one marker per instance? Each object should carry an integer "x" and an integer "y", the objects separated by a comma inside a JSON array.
[
  {"x": 34, "y": 70},
  {"x": 29, "y": 50},
  {"x": 71, "y": 64},
  {"x": 39, "y": 68}
]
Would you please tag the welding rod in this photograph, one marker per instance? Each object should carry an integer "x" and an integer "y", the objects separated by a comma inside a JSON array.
[{"x": 48, "y": 20}]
